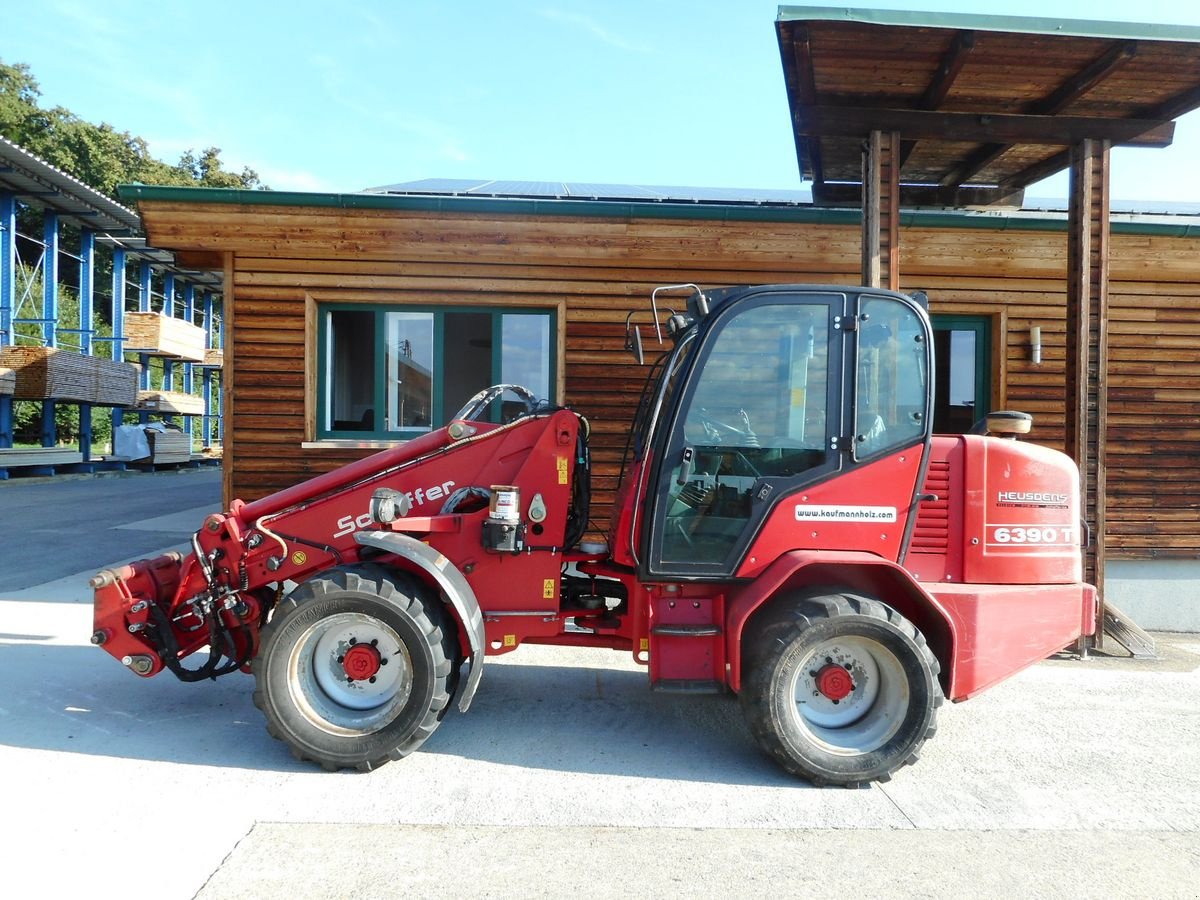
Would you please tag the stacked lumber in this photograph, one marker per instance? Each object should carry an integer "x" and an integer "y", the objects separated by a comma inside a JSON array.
[
  {"x": 44, "y": 373},
  {"x": 8, "y": 381},
  {"x": 47, "y": 373},
  {"x": 169, "y": 446},
  {"x": 214, "y": 358},
  {"x": 116, "y": 382},
  {"x": 14, "y": 457},
  {"x": 170, "y": 403},
  {"x": 157, "y": 335}
]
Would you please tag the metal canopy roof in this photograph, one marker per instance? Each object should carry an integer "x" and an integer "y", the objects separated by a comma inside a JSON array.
[
  {"x": 985, "y": 105},
  {"x": 37, "y": 182},
  {"x": 26, "y": 175}
]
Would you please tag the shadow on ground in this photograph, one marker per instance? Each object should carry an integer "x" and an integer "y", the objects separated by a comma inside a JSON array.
[{"x": 565, "y": 719}]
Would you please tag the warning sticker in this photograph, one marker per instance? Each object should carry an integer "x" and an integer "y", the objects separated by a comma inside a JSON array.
[
  {"x": 510, "y": 640},
  {"x": 548, "y": 589},
  {"x": 562, "y": 470},
  {"x": 881, "y": 514}
]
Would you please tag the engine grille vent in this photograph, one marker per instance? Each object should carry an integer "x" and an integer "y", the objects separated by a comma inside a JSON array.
[{"x": 932, "y": 532}]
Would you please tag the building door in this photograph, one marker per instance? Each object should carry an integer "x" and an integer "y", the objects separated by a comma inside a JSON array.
[{"x": 963, "y": 386}]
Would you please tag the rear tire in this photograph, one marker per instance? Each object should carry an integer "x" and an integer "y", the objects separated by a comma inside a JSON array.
[
  {"x": 355, "y": 668},
  {"x": 839, "y": 688}
]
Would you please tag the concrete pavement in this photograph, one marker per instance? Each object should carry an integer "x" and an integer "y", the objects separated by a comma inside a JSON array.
[{"x": 1076, "y": 779}]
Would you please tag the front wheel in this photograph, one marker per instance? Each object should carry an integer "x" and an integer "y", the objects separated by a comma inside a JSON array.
[
  {"x": 355, "y": 668},
  {"x": 840, "y": 689}
]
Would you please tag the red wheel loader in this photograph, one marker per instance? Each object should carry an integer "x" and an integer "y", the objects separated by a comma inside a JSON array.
[{"x": 787, "y": 528}]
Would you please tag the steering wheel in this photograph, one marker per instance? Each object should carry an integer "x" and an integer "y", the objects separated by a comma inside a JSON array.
[
  {"x": 478, "y": 405},
  {"x": 717, "y": 431}
]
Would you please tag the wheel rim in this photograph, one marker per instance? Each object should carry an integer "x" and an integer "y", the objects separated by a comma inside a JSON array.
[
  {"x": 851, "y": 694},
  {"x": 350, "y": 673}
]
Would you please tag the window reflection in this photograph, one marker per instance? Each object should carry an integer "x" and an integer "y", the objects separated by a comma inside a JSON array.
[
  {"x": 525, "y": 352},
  {"x": 410, "y": 371},
  {"x": 758, "y": 411},
  {"x": 891, "y": 379}
]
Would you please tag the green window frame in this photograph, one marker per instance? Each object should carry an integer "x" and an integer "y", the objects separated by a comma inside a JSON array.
[{"x": 449, "y": 368}]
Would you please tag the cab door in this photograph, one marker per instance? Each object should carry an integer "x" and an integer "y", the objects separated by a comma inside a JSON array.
[{"x": 757, "y": 419}]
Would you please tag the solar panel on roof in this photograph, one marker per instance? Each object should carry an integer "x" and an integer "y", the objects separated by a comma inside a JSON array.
[
  {"x": 432, "y": 186},
  {"x": 594, "y": 191},
  {"x": 524, "y": 189}
]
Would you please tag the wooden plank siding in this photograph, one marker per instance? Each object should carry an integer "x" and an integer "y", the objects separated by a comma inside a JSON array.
[{"x": 282, "y": 258}]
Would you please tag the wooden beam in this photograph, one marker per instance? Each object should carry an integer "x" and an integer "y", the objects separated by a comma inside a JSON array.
[
  {"x": 849, "y": 193},
  {"x": 806, "y": 90},
  {"x": 1087, "y": 78},
  {"x": 203, "y": 260},
  {"x": 951, "y": 65},
  {"x": 1178, "y": 105},
  {"x": 973, "y": 164},
  {"x": 1020, "y": 180},
  {"x": 1007, "y": 128},
  {"x": 943, "y": 79},
  {"x": 1118, "y": 626},
  {"x": 1067, "y": 93}
]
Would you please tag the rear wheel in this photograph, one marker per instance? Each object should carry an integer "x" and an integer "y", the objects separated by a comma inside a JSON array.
[
  {"x": 355, "y": 668},
  {"x": 840, "y": 689}
]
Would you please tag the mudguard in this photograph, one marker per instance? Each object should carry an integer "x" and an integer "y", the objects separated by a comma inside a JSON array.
[{"x": 454, "y": 586}]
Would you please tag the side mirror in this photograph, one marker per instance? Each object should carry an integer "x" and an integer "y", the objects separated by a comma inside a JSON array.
[{"x": 633, "y": 342}]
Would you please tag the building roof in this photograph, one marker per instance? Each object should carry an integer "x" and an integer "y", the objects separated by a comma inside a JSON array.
[
  {"x": 1169, "y": 224},
  {"x": 985, "y": 105},
  {"x": 28, "y": 176},
  {"x": 39, "y": 183}
]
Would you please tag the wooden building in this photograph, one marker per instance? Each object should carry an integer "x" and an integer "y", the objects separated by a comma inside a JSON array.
[
  {"x": 452, "y": 278},
  {"x": 360, "y": 319}
]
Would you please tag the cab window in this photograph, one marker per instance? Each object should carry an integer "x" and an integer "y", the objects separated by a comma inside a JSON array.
[
  {"x": 892, "y": 378},
  {"x": 757, "y": 411}
]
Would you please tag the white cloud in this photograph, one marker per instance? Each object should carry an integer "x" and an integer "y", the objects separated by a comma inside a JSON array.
[
  {"x": 368, "y": 104},
  {"x": 594, "y": 28}
]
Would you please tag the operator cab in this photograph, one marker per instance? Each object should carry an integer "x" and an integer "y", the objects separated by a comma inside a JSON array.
[{"x": 768, "y": 392}]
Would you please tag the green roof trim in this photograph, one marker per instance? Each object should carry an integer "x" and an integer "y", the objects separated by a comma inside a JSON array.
[
  {"x": 718, "y": 212},
  {"x": 975, "y": 22}
]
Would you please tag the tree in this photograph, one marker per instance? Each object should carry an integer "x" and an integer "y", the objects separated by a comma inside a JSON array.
[{"x": 100, "y": 155}]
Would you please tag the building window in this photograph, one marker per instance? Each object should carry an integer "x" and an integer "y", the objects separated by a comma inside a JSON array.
[{"x": 390, "y": 373}]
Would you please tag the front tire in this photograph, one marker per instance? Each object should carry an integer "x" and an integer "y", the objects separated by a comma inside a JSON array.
[
  {"x": 356, "y": 668},
  {"x": 839, "y": 688}
]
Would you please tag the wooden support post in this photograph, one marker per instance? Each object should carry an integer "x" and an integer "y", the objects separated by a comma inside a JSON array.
[
  {"x": 1087, "y": 343},
  {"x": 881, "y": 210}
]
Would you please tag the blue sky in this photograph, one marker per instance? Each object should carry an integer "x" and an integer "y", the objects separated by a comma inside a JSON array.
[{"x": 338, "y": 96}]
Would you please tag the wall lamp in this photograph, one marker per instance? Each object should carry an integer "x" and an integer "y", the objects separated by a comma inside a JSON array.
[{"x": 1035, "y": 345}]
